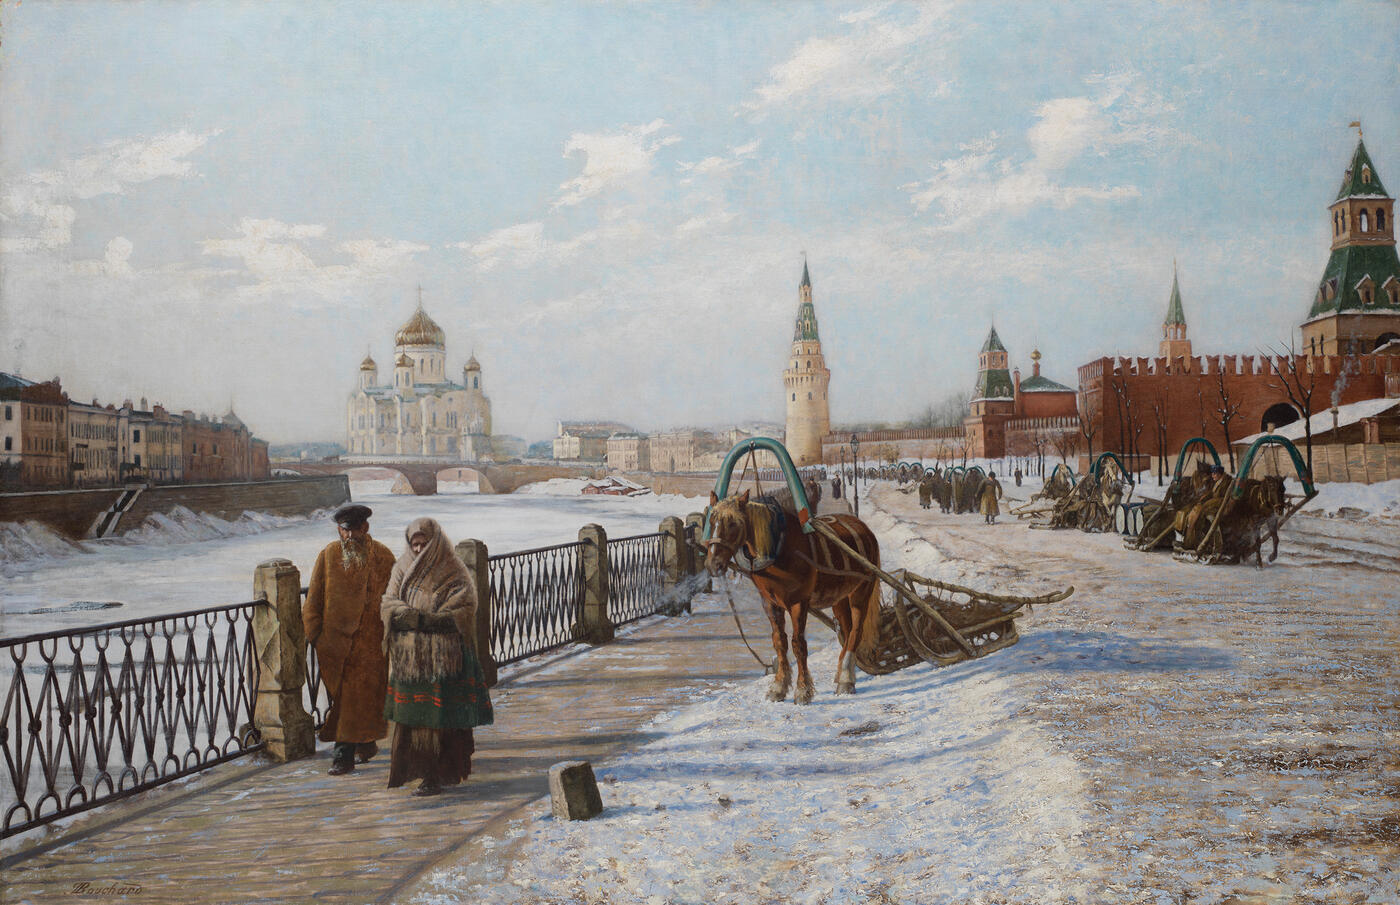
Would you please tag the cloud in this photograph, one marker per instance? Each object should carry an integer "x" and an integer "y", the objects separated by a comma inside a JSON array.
[
  {"x": 717, "y": 164},
  {"x": 282, "y": 260},
  {"x": 37, "y": 205},
  {"x": 979, "y": 183},
  {"x": 611, "y": 158},
  {"x": 864, "y": 62}
]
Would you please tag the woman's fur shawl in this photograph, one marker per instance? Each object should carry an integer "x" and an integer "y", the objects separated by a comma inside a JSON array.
[{"x": 435, "y": 583}]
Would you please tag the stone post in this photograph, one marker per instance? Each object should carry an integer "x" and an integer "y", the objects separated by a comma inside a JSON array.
[
  {"x": 593, "y": 563},
  {"x": 280, "y": 643},
  {"x": 473, "y": 555},
  {"x": 696, "y": 522},
  {"x": 675, "y": 566}
]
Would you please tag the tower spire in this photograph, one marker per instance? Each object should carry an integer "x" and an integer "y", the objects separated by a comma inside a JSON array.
[{"x": 1174, "y": 343}]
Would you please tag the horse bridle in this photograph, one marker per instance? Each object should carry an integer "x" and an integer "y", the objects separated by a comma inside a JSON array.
[{"x": 731, "y": 549}]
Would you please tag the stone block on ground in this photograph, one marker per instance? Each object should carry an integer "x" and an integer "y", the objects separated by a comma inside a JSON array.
[{"x": 573, "y": 791}]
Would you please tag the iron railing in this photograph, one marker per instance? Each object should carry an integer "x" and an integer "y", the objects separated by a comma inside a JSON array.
[
  {"x": 536, "y": 600},
  {"x": 636, "y": 568},
  {"x": 92, "y": 715}
]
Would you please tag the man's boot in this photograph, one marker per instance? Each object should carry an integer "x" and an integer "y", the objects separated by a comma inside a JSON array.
[{"x": 342, "y": 759}]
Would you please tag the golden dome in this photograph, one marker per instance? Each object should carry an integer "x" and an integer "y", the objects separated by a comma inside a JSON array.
[
  {"x": 368, "y": 364},
  {"x": 473, "y": 364},
  {"x": 420, "y": 331}
]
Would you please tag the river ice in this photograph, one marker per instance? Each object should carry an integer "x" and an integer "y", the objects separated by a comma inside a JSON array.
[{"x": 189, "y": 561}]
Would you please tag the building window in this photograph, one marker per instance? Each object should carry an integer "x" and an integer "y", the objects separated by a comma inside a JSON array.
[
  {"x": 9, "y": 413},
  {"x": 1380, "y": 219},
  {"x": 9, "y": 443},
  {"x": 1364, "y": 222},
  {"x": 137, "y": 459},
  {"x": 809, "y": 395},
  {"x": 794, "y": 397},
  {"x": 136, "y": 436},
  {"x": 1365, "y": 173}
]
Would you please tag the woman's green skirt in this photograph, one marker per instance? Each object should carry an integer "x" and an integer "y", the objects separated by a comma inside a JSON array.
[{"x": 455, "y": 702}]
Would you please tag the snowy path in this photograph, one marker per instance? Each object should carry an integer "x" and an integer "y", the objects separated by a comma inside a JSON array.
[{"x": 1172, "y": 733}]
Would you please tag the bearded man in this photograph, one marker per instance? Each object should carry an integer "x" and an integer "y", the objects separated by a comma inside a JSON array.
[{"x": 341, "y": 616}]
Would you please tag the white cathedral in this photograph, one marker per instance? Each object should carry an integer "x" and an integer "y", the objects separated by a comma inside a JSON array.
[{"x": 422, "y": 414}]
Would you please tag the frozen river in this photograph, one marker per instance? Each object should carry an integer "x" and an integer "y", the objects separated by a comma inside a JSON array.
[{"x": 192, "y": 562}]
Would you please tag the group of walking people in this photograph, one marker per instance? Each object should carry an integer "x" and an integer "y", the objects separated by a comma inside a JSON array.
[
  {"x": 396, "y": 641},
  {"x": 955, "y": 495}
]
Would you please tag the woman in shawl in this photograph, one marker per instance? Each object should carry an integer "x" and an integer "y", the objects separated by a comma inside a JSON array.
[{"x": 437, "y": 691}]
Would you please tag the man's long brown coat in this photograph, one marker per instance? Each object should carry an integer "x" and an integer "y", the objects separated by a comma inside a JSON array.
[{"x": 341, "y": 617}]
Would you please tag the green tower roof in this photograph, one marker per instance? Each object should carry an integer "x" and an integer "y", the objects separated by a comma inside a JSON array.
[
  {"x": 993, "y": 343},
  {"x": 1353, "y": 181},
  {"x": 806, "y": 280},
  {"x": 806, "y": 328},
  {"x": 1174, "y": 313},
  {"x": 1346, "y": 269}
]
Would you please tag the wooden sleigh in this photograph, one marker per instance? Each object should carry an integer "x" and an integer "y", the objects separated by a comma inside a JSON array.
[
  {"x": 939, "y": 623},
  {"x": 921, "y": 619}
]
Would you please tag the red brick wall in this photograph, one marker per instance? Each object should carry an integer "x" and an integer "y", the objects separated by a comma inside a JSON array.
[{"x": 1190, "y": 400}]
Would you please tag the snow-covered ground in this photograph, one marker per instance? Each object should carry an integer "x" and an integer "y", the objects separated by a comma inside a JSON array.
[{"x": 1173, "y": 733}]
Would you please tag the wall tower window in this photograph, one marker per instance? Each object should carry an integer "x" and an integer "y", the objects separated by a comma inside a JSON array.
[
  {"x": 1364, "y": 222},
  {"x": 1380, "y": 219}
]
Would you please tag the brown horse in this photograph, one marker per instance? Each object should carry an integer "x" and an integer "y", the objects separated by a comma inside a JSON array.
[{"x": 807, "y": 572}]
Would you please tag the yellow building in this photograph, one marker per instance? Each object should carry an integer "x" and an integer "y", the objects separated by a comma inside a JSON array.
[
  {"x": 806, "y": 380},
  {"x": 421, "y": 414}
]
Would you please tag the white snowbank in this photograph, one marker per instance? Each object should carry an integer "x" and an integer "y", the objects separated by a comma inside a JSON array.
[{"x": 1379, "y": 500}]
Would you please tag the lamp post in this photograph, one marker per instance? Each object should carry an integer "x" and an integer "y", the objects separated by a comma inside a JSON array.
[{"x": 855, "y": 461}]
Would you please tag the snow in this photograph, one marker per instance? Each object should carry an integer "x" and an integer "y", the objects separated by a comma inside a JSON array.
[
  {"x": 187, "y": 561},
  {"x": 1160, "y": 737},
  {"x": 1322, "y": 422}
]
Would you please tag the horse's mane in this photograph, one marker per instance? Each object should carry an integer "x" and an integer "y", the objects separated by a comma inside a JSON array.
[{"x": 783, "y": 497}]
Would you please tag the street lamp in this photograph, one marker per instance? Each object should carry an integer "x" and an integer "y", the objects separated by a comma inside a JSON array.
[{"x": 855, "y": 461}]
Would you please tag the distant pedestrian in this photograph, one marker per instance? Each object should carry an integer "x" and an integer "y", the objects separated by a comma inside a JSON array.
[
  {"x": 437, "y": 690},
  {"x": 987, "y": 498},
  {"x": 1018, "y": 477},
  {"x": 341, "y": 617},
  {"x": 836, "y": 488}
]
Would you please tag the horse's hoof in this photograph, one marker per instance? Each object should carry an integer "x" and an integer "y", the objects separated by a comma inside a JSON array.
[
  {"x": 803, "y": 696},
  {"x": 777, "y": 693},
  {"x": 845, "y": 688}
]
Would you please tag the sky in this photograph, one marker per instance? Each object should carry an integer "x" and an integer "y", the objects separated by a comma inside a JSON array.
[{"x": 228, "y": 203}]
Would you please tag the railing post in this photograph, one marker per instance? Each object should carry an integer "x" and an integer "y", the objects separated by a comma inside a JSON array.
[
  {"x": 675, "y": 566},
  {"x": 593, "y": 556},
  {"x": 695, "y": 521},
  {"x": 472, "y": 553},
  {"x": 280, "y": 643}
]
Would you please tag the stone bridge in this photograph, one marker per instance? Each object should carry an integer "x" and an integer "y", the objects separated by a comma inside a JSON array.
[{"x": 423, "y": 476}]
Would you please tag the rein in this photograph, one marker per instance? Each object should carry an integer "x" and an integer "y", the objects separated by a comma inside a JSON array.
[{"x": 767, "y": 667}]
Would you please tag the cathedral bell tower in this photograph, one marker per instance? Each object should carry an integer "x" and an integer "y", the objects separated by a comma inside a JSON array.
[{"x": 806, "y": 380}]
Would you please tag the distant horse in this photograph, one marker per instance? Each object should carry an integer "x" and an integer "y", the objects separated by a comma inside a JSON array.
[{"x": 798, "y": 572}]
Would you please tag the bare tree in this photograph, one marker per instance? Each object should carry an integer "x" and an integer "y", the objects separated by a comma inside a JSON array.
[
  {"x": 1299, "y": 382},
  {"x": 1065, "y": 444},
  {"x": 1225, "y": 411},
  {"x": 1159, "y": 433},
  {"x": 1089, "y": 422}
]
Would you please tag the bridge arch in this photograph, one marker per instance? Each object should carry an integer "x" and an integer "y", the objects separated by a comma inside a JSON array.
[{"x": 464, "y": 474}]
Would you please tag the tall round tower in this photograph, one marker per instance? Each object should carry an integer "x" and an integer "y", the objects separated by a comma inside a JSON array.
[{"x": 806, "y": 379}]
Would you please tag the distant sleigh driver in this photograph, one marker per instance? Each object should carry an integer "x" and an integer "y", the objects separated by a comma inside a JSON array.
[{"x": 341, "y": 616}]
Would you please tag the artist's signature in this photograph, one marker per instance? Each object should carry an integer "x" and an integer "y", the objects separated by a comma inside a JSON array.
[{"x": 86, "y": 888}]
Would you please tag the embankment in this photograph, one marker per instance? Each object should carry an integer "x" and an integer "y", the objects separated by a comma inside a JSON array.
[{"x": 73, "y": 513}]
